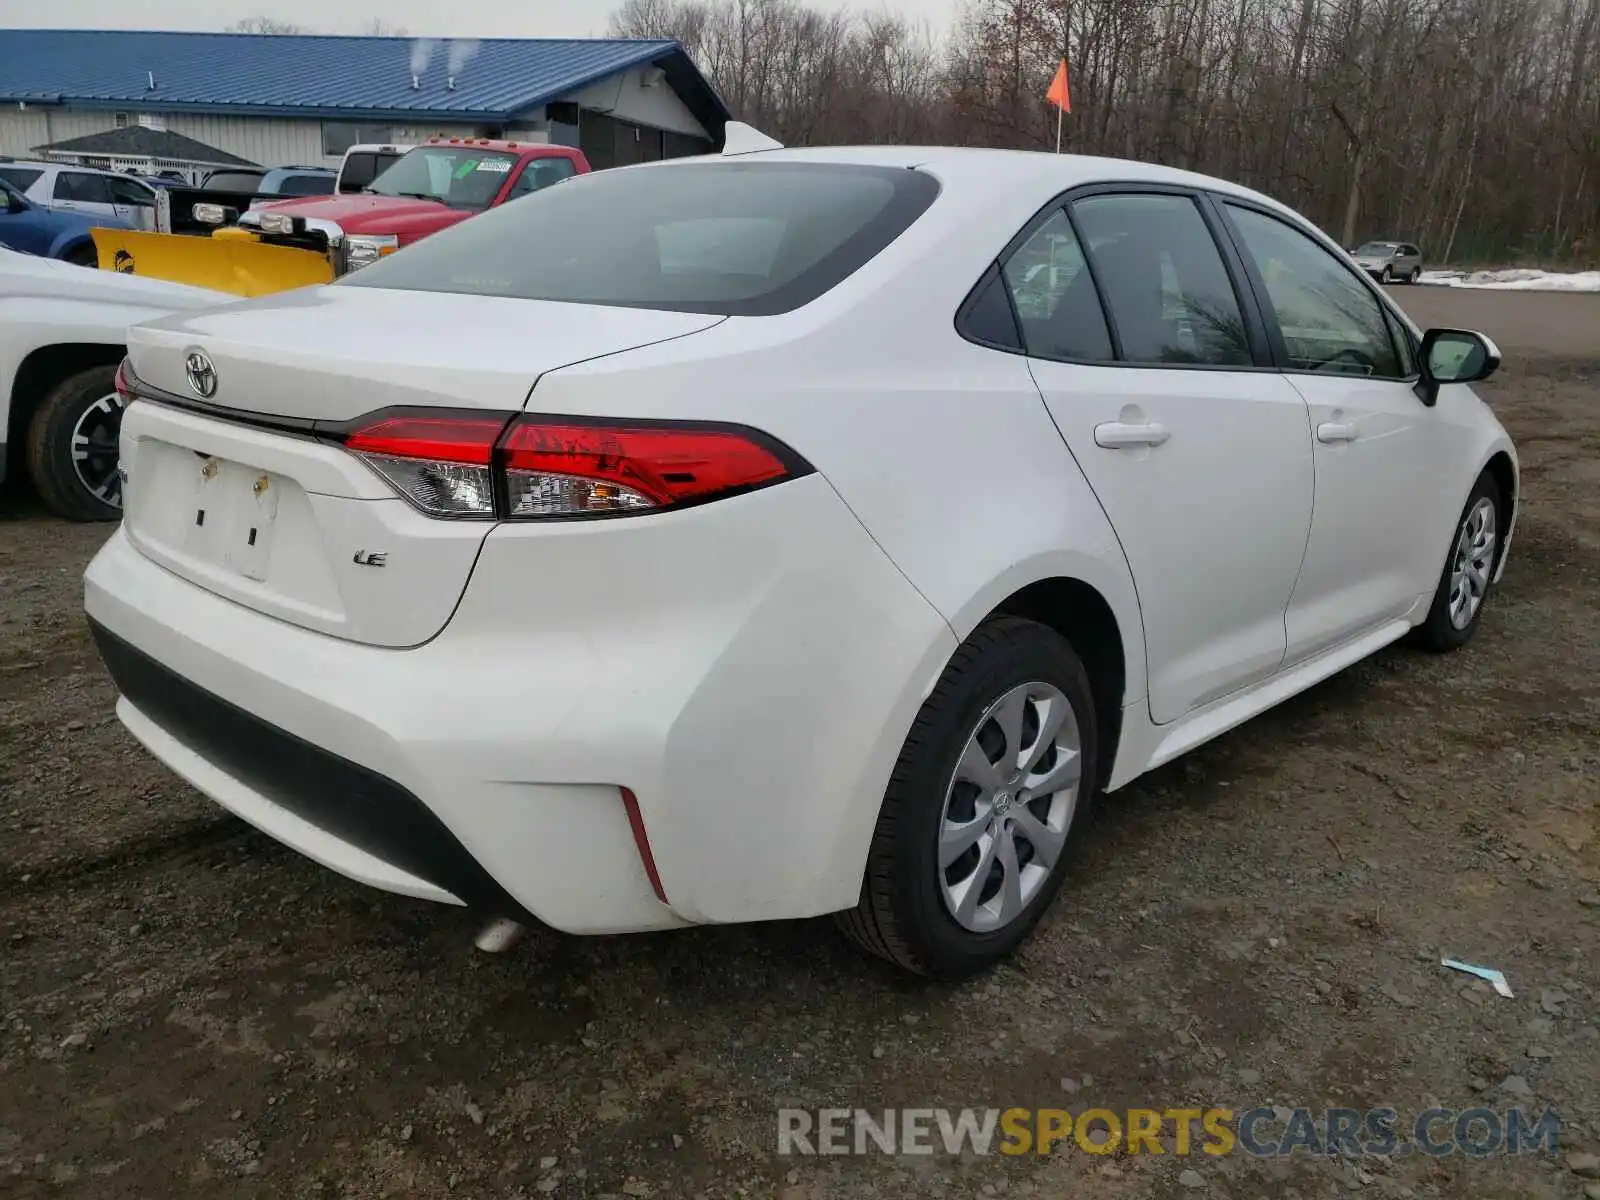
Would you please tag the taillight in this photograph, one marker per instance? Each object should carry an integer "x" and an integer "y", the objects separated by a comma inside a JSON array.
[
  {"x": 123, "y": 383},
  {"x": 441, "y": 464},
  {"x": 527, "y": 468}
]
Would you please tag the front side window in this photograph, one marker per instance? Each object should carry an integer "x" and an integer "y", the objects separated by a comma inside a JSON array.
[
  {"x": 729, "y": 238},
  {"x": 1376, "y": 250},
  {"x": 1055, "y": 298},
  {"x": 1331, "y": 321},
  {"x": 1164, "y": 281},
  {"x": 128, "y": 191},
  {"x": 541, "y": 173},
  {"x": 462, "y": 177}
]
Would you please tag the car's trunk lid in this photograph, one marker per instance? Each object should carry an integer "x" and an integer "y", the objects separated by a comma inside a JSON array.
[{"x": 245, "y": 493}]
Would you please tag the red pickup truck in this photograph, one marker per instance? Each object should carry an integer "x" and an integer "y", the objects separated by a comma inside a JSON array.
[{"x": 432, "y": 186}]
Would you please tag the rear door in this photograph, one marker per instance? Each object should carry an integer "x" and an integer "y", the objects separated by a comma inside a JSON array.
[
  {"x": 1198, "y": 451},
  {"x": 1383, "y": 514},
  {"x": 84, "y": 193}
]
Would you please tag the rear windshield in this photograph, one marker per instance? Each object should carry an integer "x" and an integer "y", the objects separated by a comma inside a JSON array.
[
  {"x": 21, "y": 178},
  {"x": 1378, "y": 248},
  {"x": 233, "y": 181},
  {"x": 305, "y": 185},
  {"x": 735, "y": 239}
]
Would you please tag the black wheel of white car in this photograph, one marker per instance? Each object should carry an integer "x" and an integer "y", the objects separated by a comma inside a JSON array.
[
  {"x": 72, "y": 447},
  {"x": 970, "y": 845},
  {"x": 1388, "y": 275},
  {"x": 1466, "y": 581}
]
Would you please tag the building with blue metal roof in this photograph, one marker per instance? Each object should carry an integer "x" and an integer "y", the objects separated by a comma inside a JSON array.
[{"x": 277, "y": 99}]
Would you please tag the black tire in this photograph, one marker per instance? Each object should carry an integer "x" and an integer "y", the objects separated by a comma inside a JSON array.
[
  {"x": 1411, "y": 280},
  {"x": 90, "y": 397},
  {"x": 902, "y": 915},
  {"x": 1439, "y": 632},
  {"x": 1387, "y": 276},
  {"x": 83, "y": 256}
]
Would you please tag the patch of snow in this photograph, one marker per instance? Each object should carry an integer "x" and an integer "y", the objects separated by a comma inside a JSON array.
[{"x": 1516, "y": 280}]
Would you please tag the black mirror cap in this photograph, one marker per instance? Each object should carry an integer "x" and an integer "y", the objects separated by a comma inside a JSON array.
[{"x": 1480, "y": 359}]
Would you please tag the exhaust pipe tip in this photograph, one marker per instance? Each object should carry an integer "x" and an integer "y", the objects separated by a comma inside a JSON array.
[{"x": 499, "y": 935}]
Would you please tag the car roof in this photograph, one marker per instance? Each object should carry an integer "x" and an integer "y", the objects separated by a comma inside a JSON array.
[{"x": 987, "y": 169}]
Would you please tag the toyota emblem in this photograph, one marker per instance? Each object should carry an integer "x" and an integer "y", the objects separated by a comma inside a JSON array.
[{"x": 202, "y": 375}]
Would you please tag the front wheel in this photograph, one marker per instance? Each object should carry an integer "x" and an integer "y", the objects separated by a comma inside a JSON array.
[
  {"x": 1465, "y": 582},
  {"x": 1387, "y": 276},
  {"x": 970, "y": 845},
  {"x": 72, "y": 447},
  {"x": 83, "y": 256}
]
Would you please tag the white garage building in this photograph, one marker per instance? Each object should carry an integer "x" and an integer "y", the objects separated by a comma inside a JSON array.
[{"x": 290, "y": 100}]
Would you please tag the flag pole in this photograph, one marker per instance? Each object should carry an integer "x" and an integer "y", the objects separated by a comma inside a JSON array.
[{"x": 1066, "y": 53}]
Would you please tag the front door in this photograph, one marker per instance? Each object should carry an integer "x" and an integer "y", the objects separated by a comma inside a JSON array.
[
  {"x": 1200, "y": 456},
  {"x": 1382, "y": 512}
]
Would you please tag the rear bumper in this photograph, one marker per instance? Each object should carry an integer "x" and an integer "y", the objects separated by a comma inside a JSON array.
[{"x": 748, "y": 670}]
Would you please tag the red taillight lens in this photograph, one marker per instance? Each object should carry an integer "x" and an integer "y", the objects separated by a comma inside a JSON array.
[
  {"x": 456, "y": 465},
  {"x": 442, "y": 464},
  {"x": 556, "y": 468},
  {"x": 123, "y": 383}
]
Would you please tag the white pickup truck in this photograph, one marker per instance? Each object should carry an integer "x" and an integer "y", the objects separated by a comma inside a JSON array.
[{"x": 62, "y": 330}]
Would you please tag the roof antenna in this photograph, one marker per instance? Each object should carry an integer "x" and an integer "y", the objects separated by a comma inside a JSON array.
[{"x": 739, "y": 138}]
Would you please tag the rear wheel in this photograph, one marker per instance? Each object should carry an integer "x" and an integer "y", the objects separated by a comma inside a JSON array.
[
  {"x": 1465, "y": 582},
  {"x": 72, "y": 447},
  {"x": 970, "y": 845}
]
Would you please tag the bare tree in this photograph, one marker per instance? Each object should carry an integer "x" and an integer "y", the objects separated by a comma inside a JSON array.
[
  {"x": 379, "y": 27},
  {"x": 264, "y": 25},
  {"x": 1471, "y": 126}
]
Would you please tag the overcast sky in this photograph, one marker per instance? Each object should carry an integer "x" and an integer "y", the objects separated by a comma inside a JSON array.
[{"x": 459, "y": 18}]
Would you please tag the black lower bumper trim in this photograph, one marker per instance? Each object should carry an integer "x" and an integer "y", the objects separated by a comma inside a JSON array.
[{"x": 342, "y": 798}]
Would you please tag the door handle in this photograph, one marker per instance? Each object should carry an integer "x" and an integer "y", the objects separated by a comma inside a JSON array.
[
  {"x": 1335, "y": 432},
  {"x": 1118, "y": 435}
]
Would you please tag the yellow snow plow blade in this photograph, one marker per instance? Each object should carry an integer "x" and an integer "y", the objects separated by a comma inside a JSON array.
[{"x": 238, "y": 264}]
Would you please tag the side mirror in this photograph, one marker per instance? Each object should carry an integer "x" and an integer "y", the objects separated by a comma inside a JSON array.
[
  {"x": 15, "y": 203},
  {"x": 1455, "y": 356}
]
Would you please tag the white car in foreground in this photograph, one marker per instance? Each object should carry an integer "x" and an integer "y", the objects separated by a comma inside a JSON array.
[
  {"x": 764, "y": 536},
  {"x": 62, "y": 333}
]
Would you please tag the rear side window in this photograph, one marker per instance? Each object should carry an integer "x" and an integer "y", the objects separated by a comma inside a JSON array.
[
  {"x": 21, "y": 178},
  {"x": 84, "y": 189},
  {"x": 1166, "y": 287},
  {"x": 734, "y": 239},
  {"x": 1054, "y": 295}
]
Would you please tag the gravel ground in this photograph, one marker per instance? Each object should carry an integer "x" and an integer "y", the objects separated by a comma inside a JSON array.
[{"x": 188, "y": 1009}]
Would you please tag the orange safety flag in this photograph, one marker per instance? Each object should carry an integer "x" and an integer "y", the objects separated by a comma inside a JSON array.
[{"x": 1060, "y": 94}]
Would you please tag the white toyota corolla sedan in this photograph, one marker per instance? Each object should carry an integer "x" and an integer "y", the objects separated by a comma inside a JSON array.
[{"x": 781, "y": 533}]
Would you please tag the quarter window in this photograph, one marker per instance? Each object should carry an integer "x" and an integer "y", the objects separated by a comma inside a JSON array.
[
  {"x": 1054, "y": 293},
  {"x": 1331, "y": 322},
  {"x": 1165, "y": 284}
]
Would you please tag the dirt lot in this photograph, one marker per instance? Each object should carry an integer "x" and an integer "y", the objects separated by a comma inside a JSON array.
[{"x": 189, "y": 1009}]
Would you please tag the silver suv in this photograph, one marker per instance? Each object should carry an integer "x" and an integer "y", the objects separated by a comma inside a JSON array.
[
  {"x": 1390, "y": 262},
  {"x": 88, "y": 191}
]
